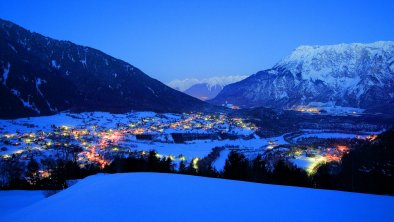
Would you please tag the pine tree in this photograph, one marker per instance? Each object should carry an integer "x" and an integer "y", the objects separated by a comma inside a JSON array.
[
  {"x": 236, "y": 167},
  {"x": 287, "y": 174},
  {"x": 182, "y": 167},
  {"x": 153, "y": 161},
  {"x": 259, "y": 171},
  {"x": 15, "y": 168}
]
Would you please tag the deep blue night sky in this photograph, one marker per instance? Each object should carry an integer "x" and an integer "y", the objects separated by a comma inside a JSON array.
[{"x": 181, "y": 39}]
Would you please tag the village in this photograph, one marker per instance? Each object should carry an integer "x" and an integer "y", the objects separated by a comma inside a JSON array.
[{"x": 97, "y": 138}]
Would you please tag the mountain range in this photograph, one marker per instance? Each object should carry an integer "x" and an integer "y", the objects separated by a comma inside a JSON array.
[
  {"x": 348, "y": 75},
  {"x": 42, "y": 76}
]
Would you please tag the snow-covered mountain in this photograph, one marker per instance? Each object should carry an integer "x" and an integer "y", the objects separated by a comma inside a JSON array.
[
  {"x": 172, "y": 197},
  {"x": 348, "y": 75},
  {"x": 42, "y": 76},
  {"x": 204, "y": 89}
]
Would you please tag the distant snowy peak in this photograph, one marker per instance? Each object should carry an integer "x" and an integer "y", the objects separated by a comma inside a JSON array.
[
  {"x": 182, "y": 85},
  {"x": 348, "y": 75},
  {"x": 211, "y": 82},
  {"x": 204, "y": 89}
]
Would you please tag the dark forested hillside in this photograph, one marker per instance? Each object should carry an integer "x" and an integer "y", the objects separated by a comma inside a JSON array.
[{"x": 41, "y": 76}]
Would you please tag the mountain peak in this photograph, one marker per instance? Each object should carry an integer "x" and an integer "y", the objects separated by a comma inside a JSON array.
[
  {"x": 350, "y": 75},
  {"x": 211, "y": 82},
  {"x": 330, "y": 62},
  {"x": 307, "y": 53},
  {"x": 204, "y": 89}
]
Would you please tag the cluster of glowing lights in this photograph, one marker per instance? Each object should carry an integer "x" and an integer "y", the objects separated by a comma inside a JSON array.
[
  {"x": 93, "y": 156},
  {"x": 314, "y": 164},
  {"x": 333, "y": 157},
  {"x": 112, "y": 137},
  {"x": 108, "y": 138},
  {"x": 343, "y": 149},
  {"x": 79, "y": 133},
  {"x": 307, "y": 109},
  {"x": 336, "y": 154},
  {"x": 372, "y": 137},
  {"x": 271, "y": 145},
  {"x": 195, "y": 163},
  {"x": 44, "y": 173},
  {"x": 9, "y": 136},
  {"x": 96, "y": 141},
  {"x": 332, "y": 154},
  {"x": 241, "y": 123},
  {"x": 6, "y": 156},
  {"x": 185, "y": 123},
  {"x": 138, "y": 131}
]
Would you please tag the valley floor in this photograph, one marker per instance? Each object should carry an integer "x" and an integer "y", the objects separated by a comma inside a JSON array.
[
  {"x": 104, "y": 136},
  {"x": 171, "y": 197}
]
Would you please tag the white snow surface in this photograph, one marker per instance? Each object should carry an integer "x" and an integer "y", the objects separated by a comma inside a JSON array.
[
  {"x": 221, "y": 81},
  {"x": 332, "y": 109},
  {"x": 55, "y": 64},
  {"x": 14, "y": 200},
  {"x": 25, "y": 103},
  {"x": 327, "y": 135},
  {"x": 220, "y": 162},
  {"x": 38, "y": 84},
  {"x": 302, "y": 162},
  {"x": 170, "y": 197},
  {"x": 5, "y": 74}
]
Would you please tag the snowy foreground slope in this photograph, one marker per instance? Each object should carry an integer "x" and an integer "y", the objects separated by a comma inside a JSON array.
[
  {"x": 169, "y": 197},
  {"x": 13, "y": 200}
]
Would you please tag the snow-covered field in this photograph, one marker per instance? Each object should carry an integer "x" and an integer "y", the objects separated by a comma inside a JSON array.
[
  {"x": 307, "y": 133},
  {"x": 329, "y": 108},
  {"x": 170, "y": 197},
  {"x": 220, "y": 162},
  {"x": 328, "y": 135}
]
